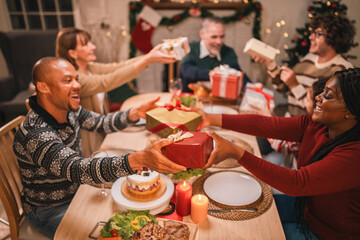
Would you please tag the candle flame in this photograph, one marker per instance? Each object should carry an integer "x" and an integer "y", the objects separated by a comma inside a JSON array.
[{"x": 199, "y": 197}]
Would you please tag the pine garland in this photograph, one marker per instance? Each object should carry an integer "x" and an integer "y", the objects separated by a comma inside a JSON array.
[{"x": 136, "y": 7}]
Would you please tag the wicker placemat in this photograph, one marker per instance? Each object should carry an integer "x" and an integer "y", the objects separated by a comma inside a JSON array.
[{"x": 262, "y": 204}]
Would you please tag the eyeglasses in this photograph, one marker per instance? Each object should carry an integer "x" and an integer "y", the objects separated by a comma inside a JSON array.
[{"x": 317, "y": 34}]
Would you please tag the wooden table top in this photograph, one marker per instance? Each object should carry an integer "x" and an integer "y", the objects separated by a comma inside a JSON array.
[{"x": 87, "y": 208}]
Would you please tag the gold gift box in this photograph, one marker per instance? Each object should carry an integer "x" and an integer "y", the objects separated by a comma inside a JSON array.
[{"x": 163, "y": 122}]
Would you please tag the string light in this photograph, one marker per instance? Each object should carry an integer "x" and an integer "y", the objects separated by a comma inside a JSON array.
[
  {"x": 286, "y": 46},
  {"x": 278, "y": 24},
  {"x": 282, "y": 22},
  {"x": 328, "y": 3},
  {"x": 286, "y": 34},
  {"x": 216, "y": 1},
  {"x": 268, "y": 30},
  {"x": 278, "y": 51}
]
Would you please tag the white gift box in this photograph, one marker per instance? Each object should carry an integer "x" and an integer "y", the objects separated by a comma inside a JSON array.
[
  {"x": 257, "y": 95},
  {"x": 259, "y": 48},
  {"x": 178, "y": 47}
]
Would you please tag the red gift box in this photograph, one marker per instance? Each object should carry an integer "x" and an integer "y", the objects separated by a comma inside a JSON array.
[
  {"x": 227, "y": 82},
  {"x": 227, "y": 86},
  {"x": 191, "y": 152}
]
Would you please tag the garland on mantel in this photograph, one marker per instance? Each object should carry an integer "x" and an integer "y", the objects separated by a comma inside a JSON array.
[{"x": 198, "y": 11}]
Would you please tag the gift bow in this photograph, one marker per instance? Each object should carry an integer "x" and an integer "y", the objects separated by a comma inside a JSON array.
[
  {"x": 171, "y": 107},
  {"x": 225, "y": 71},
  {"x": 177, "y": 137},
  {"x": 267, "y": 96}
]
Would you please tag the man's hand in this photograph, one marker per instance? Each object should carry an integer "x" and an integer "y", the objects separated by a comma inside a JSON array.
[
  {"x": 152, "y": 157},
  {"x": 140, "y": 111},
  {"x": 223, "y": 150},
  {"x": 288, "y": 76},
  {"x": 262, "y": 60}
]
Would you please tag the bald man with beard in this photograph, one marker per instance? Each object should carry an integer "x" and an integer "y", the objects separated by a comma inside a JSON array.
[{"x": 48, "y": 149}]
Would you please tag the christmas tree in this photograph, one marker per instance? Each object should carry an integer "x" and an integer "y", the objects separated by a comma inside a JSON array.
[{"x": 301, "y": 39}]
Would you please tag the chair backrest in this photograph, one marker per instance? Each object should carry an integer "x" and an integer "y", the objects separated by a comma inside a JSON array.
[{"x": 10, "y": 184}]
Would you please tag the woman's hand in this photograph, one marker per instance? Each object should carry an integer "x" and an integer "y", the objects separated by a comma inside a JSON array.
[
  {"x": 140, "y": 111},
  {"x": 208, "y": 119},
  {"x": 223, "y": 150},
  {"x": 157, "y": 55},
  {"x": 153, "y": 158}
]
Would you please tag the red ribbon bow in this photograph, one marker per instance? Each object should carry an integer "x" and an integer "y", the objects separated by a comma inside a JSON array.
[{"x": 268, "y": 97}]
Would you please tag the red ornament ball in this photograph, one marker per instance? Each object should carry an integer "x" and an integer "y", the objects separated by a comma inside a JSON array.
[
  {"x": 310, "y": 8},
  {"x": 304, "y": 44},
  {"x": 333, "y": 5},
  {"x": 176, "y": 18}
]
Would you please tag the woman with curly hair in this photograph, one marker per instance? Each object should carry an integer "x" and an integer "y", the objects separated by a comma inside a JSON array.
[{"x": 325, "y": 187}]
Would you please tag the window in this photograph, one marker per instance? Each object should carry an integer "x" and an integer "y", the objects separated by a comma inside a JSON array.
[{"x": 40, "y": 14}]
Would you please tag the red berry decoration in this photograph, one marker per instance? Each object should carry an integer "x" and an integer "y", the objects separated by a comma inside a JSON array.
[
  {"x": 310, "y": 8},
  {"x": 304, "y": 44},
  {"x": 333, "y": 5}
]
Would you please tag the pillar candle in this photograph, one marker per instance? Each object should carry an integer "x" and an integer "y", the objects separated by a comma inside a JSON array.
[
  {"x": 183, "y": 198},
  {"x": 199, "y": 208}
]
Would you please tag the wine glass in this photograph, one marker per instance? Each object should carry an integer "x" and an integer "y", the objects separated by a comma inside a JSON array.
[
  {"x": 98, "y": 154},
  {"x": 175, "y": 87}
]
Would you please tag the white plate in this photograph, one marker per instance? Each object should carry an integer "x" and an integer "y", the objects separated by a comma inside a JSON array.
[
  {"x": 232, "y": 188},
  {"x": 156, "y": 206},
  {"x": 220, "y": 110}
]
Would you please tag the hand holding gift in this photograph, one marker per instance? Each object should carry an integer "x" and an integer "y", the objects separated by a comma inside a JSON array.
[
  {"x": 257, "y": 95},
  {"x": 226, "y": 82},
  {"x": 178, "y": 47}
]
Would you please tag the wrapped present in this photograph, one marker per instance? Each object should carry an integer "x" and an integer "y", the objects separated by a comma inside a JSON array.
[
  {"x": 170, "y": 119},
  {"x": 192, "y": 151},
  {"x": 256, "y": 95},
  {"x": 256, "y": 47},
  {"x": 227, "y": 82},
  {"x": 178, "y": 47}
]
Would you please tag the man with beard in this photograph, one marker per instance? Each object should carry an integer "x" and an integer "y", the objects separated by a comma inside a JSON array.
[
  {"x": 331, "y": 36},
  {"x": 208, "y": 54},
  {"x": 48, "y": 149}
]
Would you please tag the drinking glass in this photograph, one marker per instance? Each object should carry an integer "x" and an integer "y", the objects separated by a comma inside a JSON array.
[
  {"x": 98, "y": 154},
  {"x": 175, "y": 87}
]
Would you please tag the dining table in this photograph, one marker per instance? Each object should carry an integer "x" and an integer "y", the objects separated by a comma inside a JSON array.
[{"x": 88, "y": 208}]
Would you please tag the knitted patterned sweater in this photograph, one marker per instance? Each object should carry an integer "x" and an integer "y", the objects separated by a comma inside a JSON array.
[{"x": 49, "y": 155}]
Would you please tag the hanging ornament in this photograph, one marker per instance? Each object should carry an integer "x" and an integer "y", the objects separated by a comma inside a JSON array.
[
  {"x": 195, "y": 12},
  {"x": 333, "y": 5},
  {"x": 176, "y": 18},
  {"x": 303, "y": 44},
  {"x": 310, "y": 8},
  {"x": 170, "y": 27}
]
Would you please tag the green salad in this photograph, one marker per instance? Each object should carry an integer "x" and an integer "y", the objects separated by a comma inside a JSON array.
[
  {"x": 191, "y": 172},
  {"x": 125, "y": 224}
]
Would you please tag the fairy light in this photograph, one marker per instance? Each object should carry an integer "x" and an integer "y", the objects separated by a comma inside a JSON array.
[
  {"x": 108, "y": 33},
  {"x": 216, "y": 1},
  {"x": 286, "y": 34},
  {"x": 268, "y": 30},
  {"x": 328, "y": 3},
  {"x": 286, "y": 46},
  {"x": 278, "y": 51},
  {"x": 246, "y": 1},
  {"x": 310, "y": 15},
  {"x": 282, "y": 22},
  {"x": 278, "y": 24}
]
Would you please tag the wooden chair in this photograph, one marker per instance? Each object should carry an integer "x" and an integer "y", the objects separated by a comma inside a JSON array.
[
  {"x": 10, "y": 186},
  {"x": 27, "y": 104}
]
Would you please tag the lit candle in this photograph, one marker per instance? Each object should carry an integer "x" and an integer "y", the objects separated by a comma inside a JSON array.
[
  {"x": 199, "y": 208},
  {"x": 183, "y": 198}
]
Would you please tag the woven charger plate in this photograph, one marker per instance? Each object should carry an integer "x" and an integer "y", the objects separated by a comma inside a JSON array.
[{"x": 262, "y": 204}]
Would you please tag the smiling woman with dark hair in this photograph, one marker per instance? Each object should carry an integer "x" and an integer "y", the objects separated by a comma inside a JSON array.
[{"x": 327, "y": 181}]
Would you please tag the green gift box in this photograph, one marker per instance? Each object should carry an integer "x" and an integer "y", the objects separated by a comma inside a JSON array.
[{"x": 165, "y": 122}]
